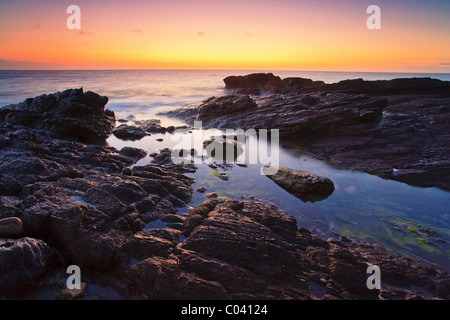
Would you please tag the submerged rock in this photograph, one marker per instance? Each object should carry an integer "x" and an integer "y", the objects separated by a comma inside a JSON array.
[
  {"x": 211, "y": 195},
  {"x": 304, "y": 185}
]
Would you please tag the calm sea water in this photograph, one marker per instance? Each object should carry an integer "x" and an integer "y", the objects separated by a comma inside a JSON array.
[{"x": 363, "y": 207}]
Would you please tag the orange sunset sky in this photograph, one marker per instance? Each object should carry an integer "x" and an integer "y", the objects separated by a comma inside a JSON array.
[{"x": 210, "y": 34}]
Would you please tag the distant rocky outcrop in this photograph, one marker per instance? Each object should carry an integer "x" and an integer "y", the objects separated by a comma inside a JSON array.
[
  {"x": 257, "y": 83},
  {"x": 254, "y": 83}
]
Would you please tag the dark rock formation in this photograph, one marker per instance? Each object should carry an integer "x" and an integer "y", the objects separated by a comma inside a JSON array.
[
  {"x": 245, "y": 250},
  {"x": 222, "y": 106},
  {"x": 151, "y": 126},
  {"x": 395, "y": 129},
  {"x": 22, "y": 263},
  {"x": 133, "y": 153},
  {"x": 296, "y": 84},
  {"x": 164, "y": 158},
  {"x": 126, "y": 132},
  {"x": 72, "y": 198},
  {"x": 254, "y": 83},
  {"x": 304, "y": 185},
  {"x": 381, "y": 87},
  {"x": 70, "y": 115},
  {"x": 327, "y": 115},
  {"x": 257, "y": 83}
]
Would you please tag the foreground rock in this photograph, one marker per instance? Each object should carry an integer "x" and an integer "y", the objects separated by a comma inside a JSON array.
[
  {"x": 245, "y": 250},
  {"x": 71, "y": 115},
  {"x": 396, "y": 129},
  {"x": 72, "y": 199},
  {"x": 23, "y": 262},
  {"x": 304, "y": 185}
]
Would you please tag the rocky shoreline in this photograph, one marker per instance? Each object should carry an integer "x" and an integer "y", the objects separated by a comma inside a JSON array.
[
  {"x": 395, "y": 129},
  {"x": 69, "y": 199}
]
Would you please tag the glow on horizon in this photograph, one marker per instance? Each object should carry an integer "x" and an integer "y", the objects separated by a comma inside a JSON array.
[{"x": 209, "y": 34}]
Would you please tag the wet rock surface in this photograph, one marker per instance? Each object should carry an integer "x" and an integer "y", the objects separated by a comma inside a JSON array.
[
  {"x": 77, "y": 207},
  {"x": 72, "y": 198},
  {"x": 128, "y": 132},
  {"x": 396, "y": 129},
  {"x": 246, "y": 250},
  {"x": 304, "y": 185}
]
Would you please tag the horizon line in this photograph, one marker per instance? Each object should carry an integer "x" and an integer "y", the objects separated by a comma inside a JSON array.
[{"x": 215, "y": 69}]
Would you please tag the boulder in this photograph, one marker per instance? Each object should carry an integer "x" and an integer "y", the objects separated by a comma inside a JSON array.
[
  {"x": 304, "y": 185},
  {"x": 23, "y": 262},
  {"x": 11, "y": 228},
  {"x": 126, "y": 132},
  {"x": 134, "y": 153}
]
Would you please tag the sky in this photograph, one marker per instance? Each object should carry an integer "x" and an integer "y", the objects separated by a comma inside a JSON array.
[{"x": 323, "y": 35}]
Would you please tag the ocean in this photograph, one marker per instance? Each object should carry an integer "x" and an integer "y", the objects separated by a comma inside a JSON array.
[
  {"x": 144, "y": 93},
  {"x": 363, "y": 207}
]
